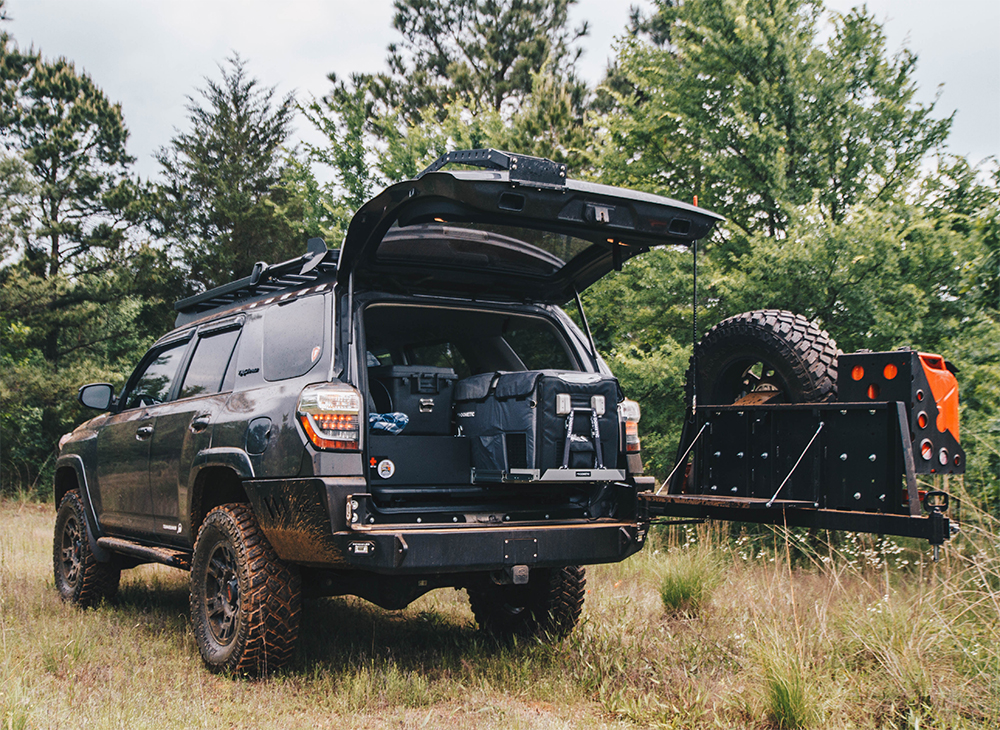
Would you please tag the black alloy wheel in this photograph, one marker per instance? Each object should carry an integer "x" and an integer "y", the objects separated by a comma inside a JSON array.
[{"x": 79, "y": 577}]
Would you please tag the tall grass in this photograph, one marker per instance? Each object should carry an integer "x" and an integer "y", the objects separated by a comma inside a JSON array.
[
  {"x": 767, "y": 630},
  {"x": 688, "y": 577}
]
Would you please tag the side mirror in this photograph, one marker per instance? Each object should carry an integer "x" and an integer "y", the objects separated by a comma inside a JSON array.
[{"x": 99, "y": 396}]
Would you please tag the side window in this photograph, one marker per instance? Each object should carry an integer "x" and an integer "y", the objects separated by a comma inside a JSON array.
[
  {"x": 293, "y": 337},
  {"x": 441, "y": 355},
  {"x": 208, "y": 364},
  {"x": 156, "y": 380},
  {"x": 537, "y": 344}
]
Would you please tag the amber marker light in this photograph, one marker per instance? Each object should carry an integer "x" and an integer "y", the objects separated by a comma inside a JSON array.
[
  {"x": 857, "y": 372},
  {"x": 890, "y": 371}
]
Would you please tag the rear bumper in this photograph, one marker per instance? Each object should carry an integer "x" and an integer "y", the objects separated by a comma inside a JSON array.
[
  {"x": 479, "y": 548},
  {"x": 305, "y": 522}
]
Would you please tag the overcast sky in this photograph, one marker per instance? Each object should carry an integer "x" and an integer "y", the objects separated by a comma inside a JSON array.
[{"x": 149, "y": 55}]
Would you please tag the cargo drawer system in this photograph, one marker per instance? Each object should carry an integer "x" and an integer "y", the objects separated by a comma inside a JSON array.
[{"x": 850, "y": 464}]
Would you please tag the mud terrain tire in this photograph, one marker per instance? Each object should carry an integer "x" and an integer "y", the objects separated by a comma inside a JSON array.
[
  {"x": 245, "y": 603},
  {"x": 80, "y": 578},
  {"x": 764, "y": 351}
]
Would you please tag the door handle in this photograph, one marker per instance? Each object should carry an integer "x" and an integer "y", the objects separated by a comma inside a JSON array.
[
  {"x": 143, "y": 432},
  {"x": 200, "y": 422}
]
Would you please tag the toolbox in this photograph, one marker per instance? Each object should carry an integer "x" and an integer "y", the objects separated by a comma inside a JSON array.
[{"x": 422, "y": 392}]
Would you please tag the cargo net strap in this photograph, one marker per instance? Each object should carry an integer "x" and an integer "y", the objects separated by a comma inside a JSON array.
[{"x": 595, "y": 437}]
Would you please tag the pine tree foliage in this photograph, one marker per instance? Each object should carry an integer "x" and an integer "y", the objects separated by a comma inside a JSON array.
[
  {"x": 483, "y": 53},
  {"x": 71, "y": 139},
  {"x": 473, "y": 73},
  {"x": 222, "y": 179}
]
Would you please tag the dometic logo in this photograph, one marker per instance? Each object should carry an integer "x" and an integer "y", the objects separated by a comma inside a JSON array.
[{"x": 249, "y": 371}]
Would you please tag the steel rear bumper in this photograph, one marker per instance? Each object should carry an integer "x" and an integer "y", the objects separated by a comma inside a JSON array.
[
  {"x": 478, "y": 548},
  {"x": 304, "y": 520}
]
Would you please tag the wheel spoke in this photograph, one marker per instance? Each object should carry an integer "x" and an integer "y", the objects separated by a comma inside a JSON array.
[
  {"x": 71, "y": 551},
  {"x": 222, "y": 600}
]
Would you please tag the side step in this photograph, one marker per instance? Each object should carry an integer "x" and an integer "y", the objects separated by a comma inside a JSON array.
[{"x": 166, "y": 556}]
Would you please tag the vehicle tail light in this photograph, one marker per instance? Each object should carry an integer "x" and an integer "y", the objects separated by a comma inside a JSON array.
[
  {"x": 630, "y": 414},
  {"x": 632, "y": 436},
  {"x": 330, "y": 414}
]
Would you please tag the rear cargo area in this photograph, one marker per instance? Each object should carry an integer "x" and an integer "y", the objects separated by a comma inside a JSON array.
[{"x": 479, "y": 415}]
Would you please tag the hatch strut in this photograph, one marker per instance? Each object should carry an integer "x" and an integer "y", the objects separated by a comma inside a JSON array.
[{"x": 586, "y": 324}]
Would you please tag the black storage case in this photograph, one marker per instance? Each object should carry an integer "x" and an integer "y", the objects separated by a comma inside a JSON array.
[
  {"x": 516, "y": 435},
  {"x": 422, "y": 392}
]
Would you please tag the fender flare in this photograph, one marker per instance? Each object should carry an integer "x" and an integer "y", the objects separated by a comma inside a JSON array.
[
  {"x": 231, "y": 458},
  {"x": 75, "y": 462}
]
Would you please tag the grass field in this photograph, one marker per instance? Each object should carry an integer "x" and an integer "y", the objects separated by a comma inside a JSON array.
[{"x": 701, "y": 630}]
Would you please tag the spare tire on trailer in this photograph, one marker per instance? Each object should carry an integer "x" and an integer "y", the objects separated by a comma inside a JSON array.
[{"x": 765, "y": 356}]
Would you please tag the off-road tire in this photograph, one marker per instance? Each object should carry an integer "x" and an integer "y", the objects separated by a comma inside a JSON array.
[
  {"x": 801, "y": 356},
  {"x": 246, "y": 604},
  {"x": 80, "y": 578},
  {"x": 547, "y": 607}
]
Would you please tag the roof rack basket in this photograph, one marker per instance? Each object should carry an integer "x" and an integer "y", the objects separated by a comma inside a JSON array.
[{"x": 317, "y": 266}]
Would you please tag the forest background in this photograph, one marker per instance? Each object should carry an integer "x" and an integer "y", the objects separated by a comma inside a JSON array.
[{"x": 841, "y": 201}]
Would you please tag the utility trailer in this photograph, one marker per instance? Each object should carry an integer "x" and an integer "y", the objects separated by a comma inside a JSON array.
[{"x": 850, "y": 463}]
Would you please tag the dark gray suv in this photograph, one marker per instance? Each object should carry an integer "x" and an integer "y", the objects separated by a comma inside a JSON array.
[
  {"x": 414, "y": 411},
  {"x": 409, "y": 412}
]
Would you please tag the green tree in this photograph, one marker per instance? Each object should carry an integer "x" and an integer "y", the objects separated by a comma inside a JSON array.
[
  {"x": 72, "y": 140},
  {"x": 72, "y": 263},
  {"x": 818, "y": 153},
  {"x": 465, "y": 74},
  {"x": 218, "y": 204},
  {"x": 743, "y": 105},
  {"x": 67, "y": 175},
  {"x": 484, "y": 53}
]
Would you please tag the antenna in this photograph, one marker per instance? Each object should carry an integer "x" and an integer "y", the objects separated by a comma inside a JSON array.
[{"x": 694, "y": 329}]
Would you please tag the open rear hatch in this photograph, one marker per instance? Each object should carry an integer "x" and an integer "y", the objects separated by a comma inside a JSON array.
[{"x": 521, "y": 231}]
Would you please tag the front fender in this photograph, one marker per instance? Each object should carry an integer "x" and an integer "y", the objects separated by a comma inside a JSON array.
[{"x": 75, "y": 463}]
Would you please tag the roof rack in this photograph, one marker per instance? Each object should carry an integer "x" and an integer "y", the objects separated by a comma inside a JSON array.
[
  {"x": 316, "y": 266},
  {"x": 523, "y": 169}
]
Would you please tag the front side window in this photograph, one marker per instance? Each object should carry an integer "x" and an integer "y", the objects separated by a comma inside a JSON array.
[
  {"x": 208, "y": 364},
  {"x": 156, "y": 380}
]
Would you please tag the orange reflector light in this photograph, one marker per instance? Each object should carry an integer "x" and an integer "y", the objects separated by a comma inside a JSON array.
[
  {"x": 873, "y": 391},
  {"x": 858, "y": 372},
  {"x": 890, "y": 371}
]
